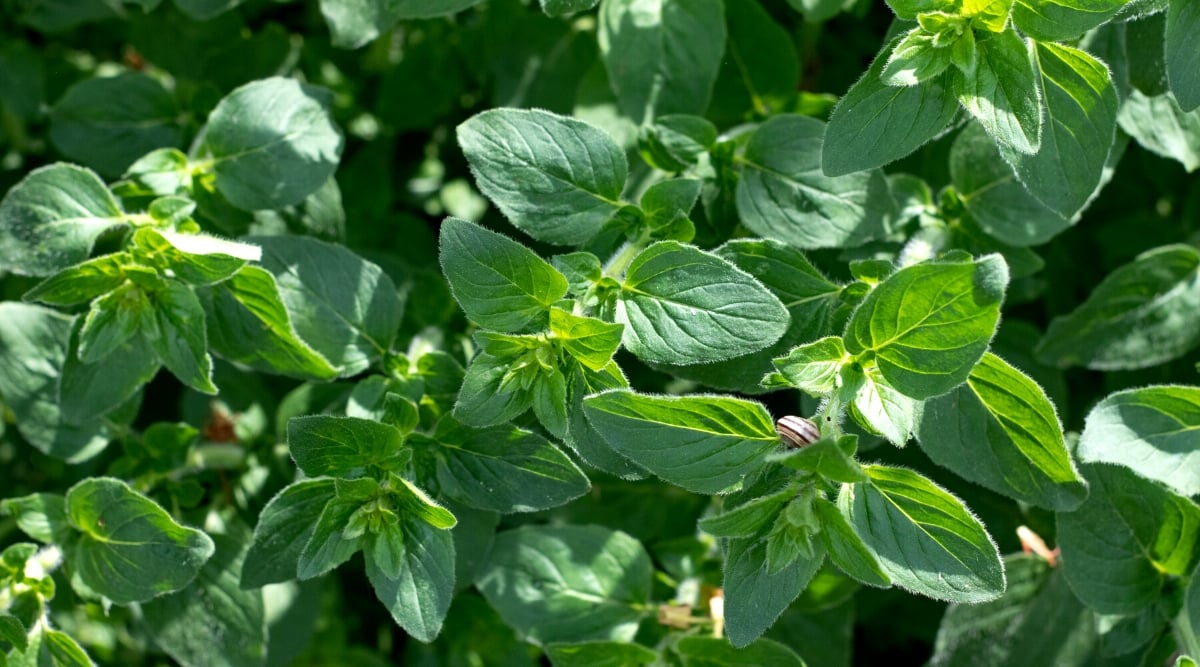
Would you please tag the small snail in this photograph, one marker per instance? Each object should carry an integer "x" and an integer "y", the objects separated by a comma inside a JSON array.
[{"x": 797, "y": 432}]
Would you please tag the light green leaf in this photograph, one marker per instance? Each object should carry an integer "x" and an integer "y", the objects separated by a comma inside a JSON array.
[
  {"x": 343, "y": 306},
  {"x": 989, "y": 14},
  {"x": 1187, "y": 622},
  {"x": 703, "y": 443},
  {"x": 356, "y": 22},
  {"x": 555, "y": 178},
  {"x": 875, "y": 124},
  {"x": 1121, "y": 544},
  {"x": 930, "y": 323},
  {"x": 499, "y": 283},
  {"x": 418, "y": 595},
  {"x": 1154, "y": 431},
  {"x": 42, "y": 516},
  {"x": 568, "y": 583},
  {"x": 681, "y": 305},
  {"x": 550, "y": 402},
  {"x": 413, "y": 501},
  {"x": 129, "y": 548},
  {"x": 481, "y": 402},
  {"x": 846, "y": 549},
  {"x": 113, "y": 319},
  {"x": 333, "y": 540},
  {"x": 881, "y": 409},
  {"x": 927, "y": 541},
  {"x": 182, "y": 344},
  {"x": 1183, "y": 58},
  {"x": 1162, "y": 127},
  {"x": 909, "y": 9},
  {"x": 31, "y": 391},
  {"x": 666, "y": 206},
  {"x": 1142, "y": 314},
  {"x": 50, "y": 219},
  {"x": 662, "y": 56},
  {"x": 1000, "y": 430},
  {"x": 58, "y": 649},
  {"x": 13, "y": 632},
  {"x": 813, "y": 368},
  {"x": 1004, "y": 93},
  {"x": 271, "y": 143},
  {"x": 809, "y": 297},
  {"x": 599, "y": 653},
  {"x": 213, "y": 622},
  {"x": 698, "y": 651},
  {"x": 503, "y": 469},
  {"x": 784, "y": 195},
  {"x": 248, "y": 324},
  {"x": 754, "y": 598},
  {"x": 343, "y": 446},
  {"x": 196, "y": 259},
  {"x": 589, "y": 341},
  {"x": 1081, "y": 118},
  {"x": 995, "y": 198},
  {"x": 81, "y": 283},
  {"x": 284, "y": 526},
  {"x": 1061, "y": 20},
  {"x": 914, "y": 59},
  {"x": 108, "y": 122}
]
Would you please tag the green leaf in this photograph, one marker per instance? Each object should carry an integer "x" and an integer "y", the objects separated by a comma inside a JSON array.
[
  {"x": 418, "y": 595},
  {"x": 504, "y": 469},
  {"x": 703, "y": 443},
  {"x": 31, "y": 391},
  {"x": 284, "y": 526},
  {"x": 995, "y": 198},
  {"x": 356, "y": 22},
  {"x": 582, "y": 436},
  {"x": 927, "y": 541},
  {"x": 589, "y": 341},
  {"x": 343, "y": 446},
  {"x": 129, "y": 548},
  {"x": 89, "y": 391},
  {"x": 499, "y": 283},
  {"x": 1187, "y": 622},
  {"x": 565, "y": 7},
  {"x": 1161, "y": 127},
  {"x": 989, "y": 14},
  {"x": 555, "y": 178},
  {"x": 676, "y": 141},
  {"x": 1081, "y": 119},
  {"x": 754, "y": 597},
  {"x": 1000, "y": 430},
  {"x": 813, "y": 368},
  {"x": 662, "y": 56},
  {"x": 930, "y": 323},
  {"x": 809, "y": 297},
  {"x": 1154, "y": 431},
  {"x": 846, "y": 549},
  {"x": 909, "y": 9},
  {"x": 481, "y": 402},
  {"x": 50, "y": 219},
  {"x": 412, "y": 500},
  {"x": 81, "y": 283},
  {"x": 697, "y": 651},
  {"x": 914, "y": 59},
  {"x": 830, "y": 458},
  {"x": 1004, "y": 93},
  {"x": 271, "y": 143},
  {"x": 881, "y": 409},
  {"x": 568, "y": 583},
  {"x": 1183, "y": 59},
  {"x": 213, "y": 616},
  {"x": 1121, "y": 544},
  {"x": 59, "y": 649},
  {"x": 1061, "y": 20},
  {"x": 113, "y": 319},
  {"x": 550, "y": 402},
  {"x": 333, "y": 540},
  {"x": 747, "y": 519},
  {"x": 875, "y": 124},
  {"x": 249, "y": 324},
  {"x": 599, "y": 653},
  {"x": 666, "y": 206},
  {"x": 761, "y": 67},
  {"x": 182, "y": 344},
  {"x": 197, "y": 259},
  {"x": 682, "y": 305},
  {"x": 1142, "y": 314},
  {"x": 108, "y": 122},
  {"x": 784, "y": 195},
  {"x": 343, "y": 306},
  {"x": 42, "y": 516},
  {"x": 13, "y": 632}
]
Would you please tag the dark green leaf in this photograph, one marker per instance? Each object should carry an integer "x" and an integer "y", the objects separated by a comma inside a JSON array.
[
  {"x": 568, "y": 583},
  {"x": 846, "y": 549},
  {"x": 582, "y": 436},
  {"x": 42, "y": 516},
  {"x": 480, "y": 402},
  {"x": 13, "y": 632},
  {"x": 1154, "y": 431},
  {"x": 675, "y": 142},
  {"x": 784, "y": 194},
  {"x": 343, "y": 446},
  {"x": 599, "y": 653},
  {"x": 82, "y": 282},
  {"x": 564, "y": 7},
  {"x": 51, "y": 218},
  {"x": 89, "y": 391},
  {"x": 418, "y": 595},
  {"x": 129, "y": 548},
  {"x": 181, "y": 343},
  {"x": 499, "y": 283},
  {"x": 754, "y": 597},
  {"x": 1142, "y": 314},
  {"x": 662, "y": 56},
  {"x": 930, "y": 323},
  {"x": 703, "y": 443},
  {"x": 284, "y": 527},
  {"x": 1183, "y": 58},
  {"x": 1000, "y": 430},
  {"x": 333, "y": 540},
  {"x": 827, "y": 457},
  {"x": 356, "y": 22},
  {"x": 715, "y": 652},
  {"x": 926, "y": 540},
  {"x": 761, "y": 69},
  {"x": 747, "y": 519},
  {"x": 555, "y": 178},
  {"x": 271, "y": 143},
  {"x": 58, "y": 649},
  {"x": 681, "y": 305}
]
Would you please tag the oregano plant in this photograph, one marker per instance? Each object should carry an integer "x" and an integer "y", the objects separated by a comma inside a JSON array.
[{"x": 599, "y": 332}]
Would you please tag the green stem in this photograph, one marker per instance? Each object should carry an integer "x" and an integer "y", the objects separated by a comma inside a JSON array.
[{"x": 621, "y": 261}]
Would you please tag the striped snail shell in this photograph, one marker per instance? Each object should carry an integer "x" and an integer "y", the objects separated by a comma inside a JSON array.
[{"x": 797, "y": 432}]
